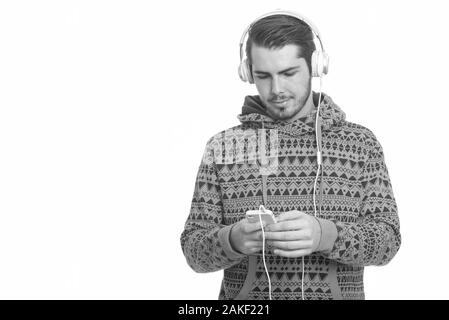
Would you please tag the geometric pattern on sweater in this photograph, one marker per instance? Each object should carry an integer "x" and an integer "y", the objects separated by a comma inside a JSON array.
[
  {"x": 350, "y": 281},
  {"x": 357, "y": 197},
  {"x": 286, "y": 276}
]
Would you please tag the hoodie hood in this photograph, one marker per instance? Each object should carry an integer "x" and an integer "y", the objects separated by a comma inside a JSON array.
[{"x": 254, "y": 114}]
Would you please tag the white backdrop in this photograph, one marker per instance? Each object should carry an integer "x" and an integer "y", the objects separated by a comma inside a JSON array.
[{"x": 106, "y": 106}]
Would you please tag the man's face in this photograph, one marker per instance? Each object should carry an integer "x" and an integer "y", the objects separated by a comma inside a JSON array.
[{"x": 282, "y": 80}]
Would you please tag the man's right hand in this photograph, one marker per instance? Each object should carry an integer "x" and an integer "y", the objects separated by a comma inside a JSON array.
[{"x": 246, "y": 237}]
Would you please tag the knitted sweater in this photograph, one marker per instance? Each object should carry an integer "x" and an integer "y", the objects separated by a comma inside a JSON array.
[{"x": 358, "y": 212}]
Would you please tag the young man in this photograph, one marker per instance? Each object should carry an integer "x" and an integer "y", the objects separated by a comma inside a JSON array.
[{"x": 322, "y": 239}]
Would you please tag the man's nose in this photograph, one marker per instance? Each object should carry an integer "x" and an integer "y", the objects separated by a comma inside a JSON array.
[{"x": 276, "y": 86}]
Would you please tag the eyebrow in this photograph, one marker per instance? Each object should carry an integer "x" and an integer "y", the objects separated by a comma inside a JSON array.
[{"x": 280, "y": 72}]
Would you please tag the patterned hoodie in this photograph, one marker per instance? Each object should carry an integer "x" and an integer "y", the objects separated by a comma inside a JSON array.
[{"x": 273, "y": 162}]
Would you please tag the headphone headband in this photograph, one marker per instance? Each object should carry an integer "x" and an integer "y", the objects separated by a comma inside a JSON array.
[{"x": 282, "y": 12}]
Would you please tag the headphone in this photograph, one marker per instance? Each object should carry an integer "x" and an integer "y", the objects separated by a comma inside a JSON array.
[
  {"x": 319, "y": 60},
  {"x": 320, "y": 67}
]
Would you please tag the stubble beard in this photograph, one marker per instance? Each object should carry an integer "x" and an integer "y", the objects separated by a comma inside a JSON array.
[{"x": 282, "y": 113}]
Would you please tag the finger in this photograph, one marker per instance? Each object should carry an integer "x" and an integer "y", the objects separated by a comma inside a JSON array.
[
  {"x": 289, "y": 235},
  {"x": 292, "y": 245},
  {"x": 292, "y": 254},
  {"x": 287, "y": 225},
  {"x": 255, "y": 250},
  {"x": 290, "y": 215},
  {"x": 256, "y": 236},
  {"x": 253, "y": 245}
]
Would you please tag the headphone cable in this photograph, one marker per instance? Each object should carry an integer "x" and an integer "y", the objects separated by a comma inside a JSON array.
[{"x": 262, "y": 208}]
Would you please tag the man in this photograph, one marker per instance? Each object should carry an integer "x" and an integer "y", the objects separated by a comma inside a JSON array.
[{"x": 317, "y": 249}]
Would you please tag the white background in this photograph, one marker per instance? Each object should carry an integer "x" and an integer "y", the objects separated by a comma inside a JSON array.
[{"x": 106, "y": 106}]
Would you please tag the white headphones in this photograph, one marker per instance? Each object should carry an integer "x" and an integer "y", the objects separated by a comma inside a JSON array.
[{"x": 319, "y": 61}]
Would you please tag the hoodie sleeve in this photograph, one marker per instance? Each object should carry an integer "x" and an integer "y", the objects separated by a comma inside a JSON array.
[
  {"x": 375, "y": 238},
  {"x": 205, "y": 239}
]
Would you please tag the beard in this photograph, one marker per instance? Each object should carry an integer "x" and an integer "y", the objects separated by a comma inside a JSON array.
[{"x": 288, "y": 110}]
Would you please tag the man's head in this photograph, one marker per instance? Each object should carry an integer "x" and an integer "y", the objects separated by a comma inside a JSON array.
[{"x": 279, "y": 50}]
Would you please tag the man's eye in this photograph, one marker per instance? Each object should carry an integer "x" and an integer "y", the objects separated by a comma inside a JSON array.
[
  {"x": 290, "y": 74},
  {"x": 262, "y": 77}
]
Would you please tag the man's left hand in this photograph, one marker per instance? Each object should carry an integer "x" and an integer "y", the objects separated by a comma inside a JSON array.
[{"x": 295, "y": 234}]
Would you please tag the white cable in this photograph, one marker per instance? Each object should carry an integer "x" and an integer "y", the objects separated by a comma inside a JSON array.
[
  {"x": 318, "y": 146},
  {"x": 263, "y": 254},
  {"x": 317, "y": 172}
]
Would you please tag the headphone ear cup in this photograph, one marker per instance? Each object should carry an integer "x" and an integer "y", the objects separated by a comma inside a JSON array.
[
  {"x": 325, "y": 63},
  {"x": 247, "y": 71},
  {"x": 320, "y": 63},
  {"x": 242, "y": 73},
  {"x": 314, "y": 64}
]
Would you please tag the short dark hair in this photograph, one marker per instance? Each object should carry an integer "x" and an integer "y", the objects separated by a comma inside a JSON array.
[{"x": 279, "y": 30}]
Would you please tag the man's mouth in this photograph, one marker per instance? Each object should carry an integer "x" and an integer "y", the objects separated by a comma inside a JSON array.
[{"x": 280, "y": 102}]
